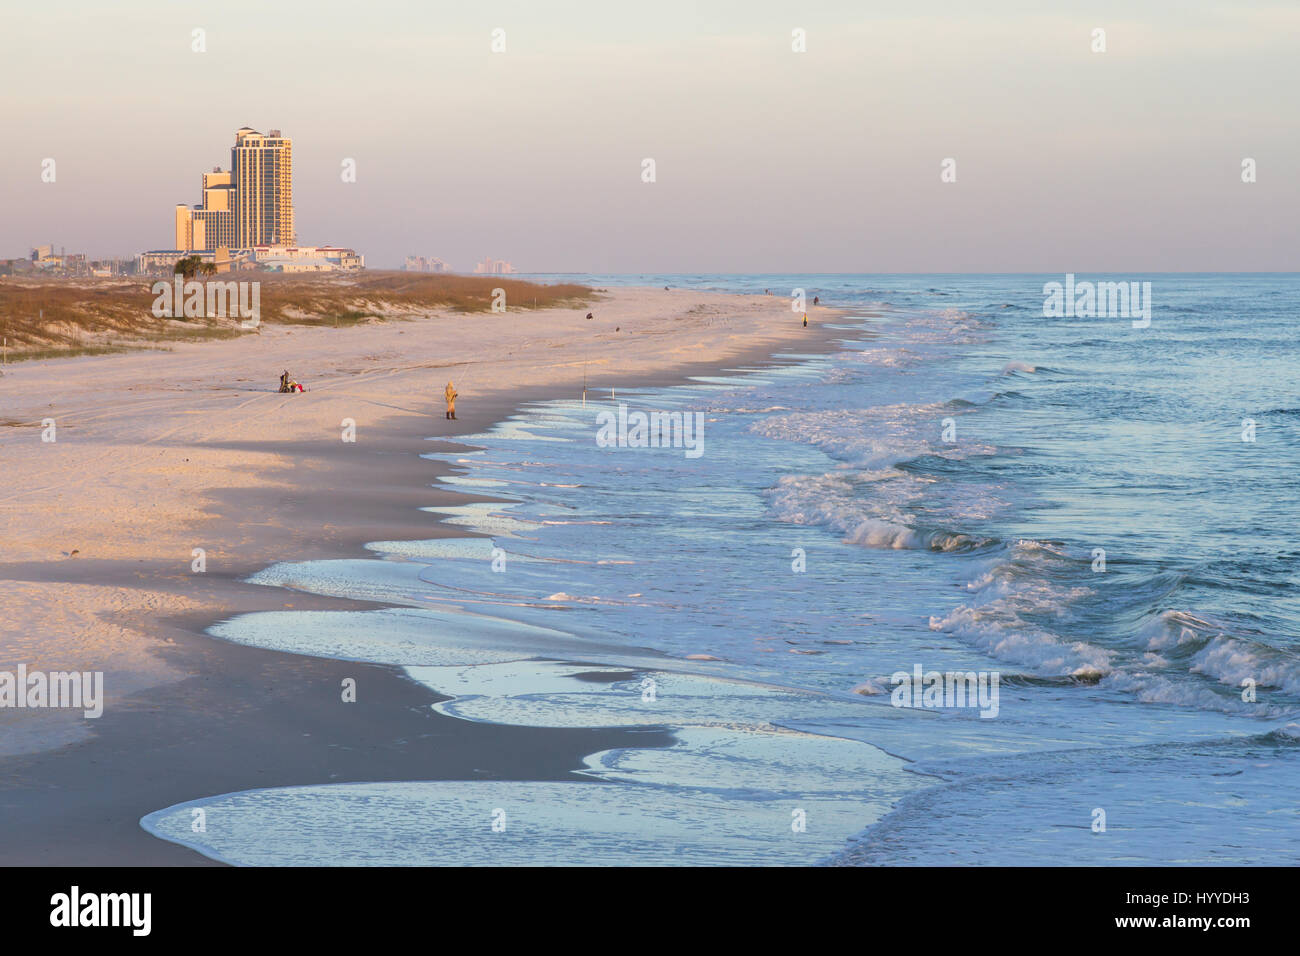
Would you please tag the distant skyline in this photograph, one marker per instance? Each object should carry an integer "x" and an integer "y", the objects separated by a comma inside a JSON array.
[{"x": 766, "y": 159}]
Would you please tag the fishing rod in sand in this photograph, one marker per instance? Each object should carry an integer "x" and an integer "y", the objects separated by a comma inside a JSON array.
[{"x": 584, "y": 387}]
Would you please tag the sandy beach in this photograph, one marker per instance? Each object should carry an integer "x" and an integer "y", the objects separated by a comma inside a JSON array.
[
  {"x": 159, "y": 453},
  {"x": 558, "y": 440}
]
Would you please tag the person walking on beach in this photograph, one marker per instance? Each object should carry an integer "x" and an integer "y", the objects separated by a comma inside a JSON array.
[
  {"x": 805, "y": 320},
  {"x": 451, "y": 393}
]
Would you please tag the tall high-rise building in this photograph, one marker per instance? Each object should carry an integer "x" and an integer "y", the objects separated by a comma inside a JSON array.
[
  {"x": 249, "y": 205},
  {"x": 262, "y": 171}
]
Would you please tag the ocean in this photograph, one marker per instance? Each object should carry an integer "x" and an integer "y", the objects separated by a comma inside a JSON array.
[{"x": 1091, "y": 516}]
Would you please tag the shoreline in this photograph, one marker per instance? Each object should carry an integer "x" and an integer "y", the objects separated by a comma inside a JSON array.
[{"x": 235, "y": 712}]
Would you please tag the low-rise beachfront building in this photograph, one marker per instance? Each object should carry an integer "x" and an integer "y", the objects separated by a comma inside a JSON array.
[
  {"x": 307, "y": 258},
  {"x": 164, "y": 260},
  {"x": 9, "y": 267},
  {"x": 286, "y": 259},
  {"x": 158, "y": 261}
]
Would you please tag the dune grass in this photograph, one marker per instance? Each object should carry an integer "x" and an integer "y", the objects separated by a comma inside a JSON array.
[
  {"x": 41, "y": 317},
  {"x": 352, "y": 298}
]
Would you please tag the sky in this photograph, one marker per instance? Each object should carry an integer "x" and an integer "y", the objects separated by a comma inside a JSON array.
[{"x": 765, "y": 159}]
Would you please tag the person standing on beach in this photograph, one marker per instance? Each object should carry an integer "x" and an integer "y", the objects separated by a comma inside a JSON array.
[{"x": 451, "y": 393}]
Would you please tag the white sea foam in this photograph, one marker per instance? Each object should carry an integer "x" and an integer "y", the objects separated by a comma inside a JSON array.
[
  {"x": 882, "y": 357},
  {"x": 389, "y": 635},
  {"x": 873, "y": 503},
  {"x": 434, "y": 549},
  {"x": 874, "y": 437},
  {"x": 781, "y": 762},
  {"x": 388, "y": 582},
  {"x": 537, "y": 824},
  {"x": 1227, "y": 658},
  {"x": 465, "y": 481},
  {"x": 1006, "y": 589},
  {"x": 872, "y": 687},
  {"x": 1173, "y": 688},
  {"x": 873, "y": 533},
  {"x": 882, "y": 508},
  {"x": 950, "y": 326},
  {"x": 1173, "y": 628},
  {"x": 1234, "y": 662},
  {"x": 485, "y": 518},
  {"x": 1025, "y": 645},
  {"x": 552, "y": 694}
]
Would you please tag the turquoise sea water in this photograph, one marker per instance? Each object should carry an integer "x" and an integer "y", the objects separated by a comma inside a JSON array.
[{"x": 964, "y": 485}]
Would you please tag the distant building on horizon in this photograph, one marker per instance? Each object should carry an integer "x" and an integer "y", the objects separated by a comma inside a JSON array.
[
  {"x": 494, "y": 267},
  {"x": 251, "y": 204},
  {"x": 46, "y": 261},
  {"x": 421, "y": 264}
]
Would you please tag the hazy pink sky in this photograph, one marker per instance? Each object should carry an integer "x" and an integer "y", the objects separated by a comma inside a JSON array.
[{"x": 766, "y": 159}]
